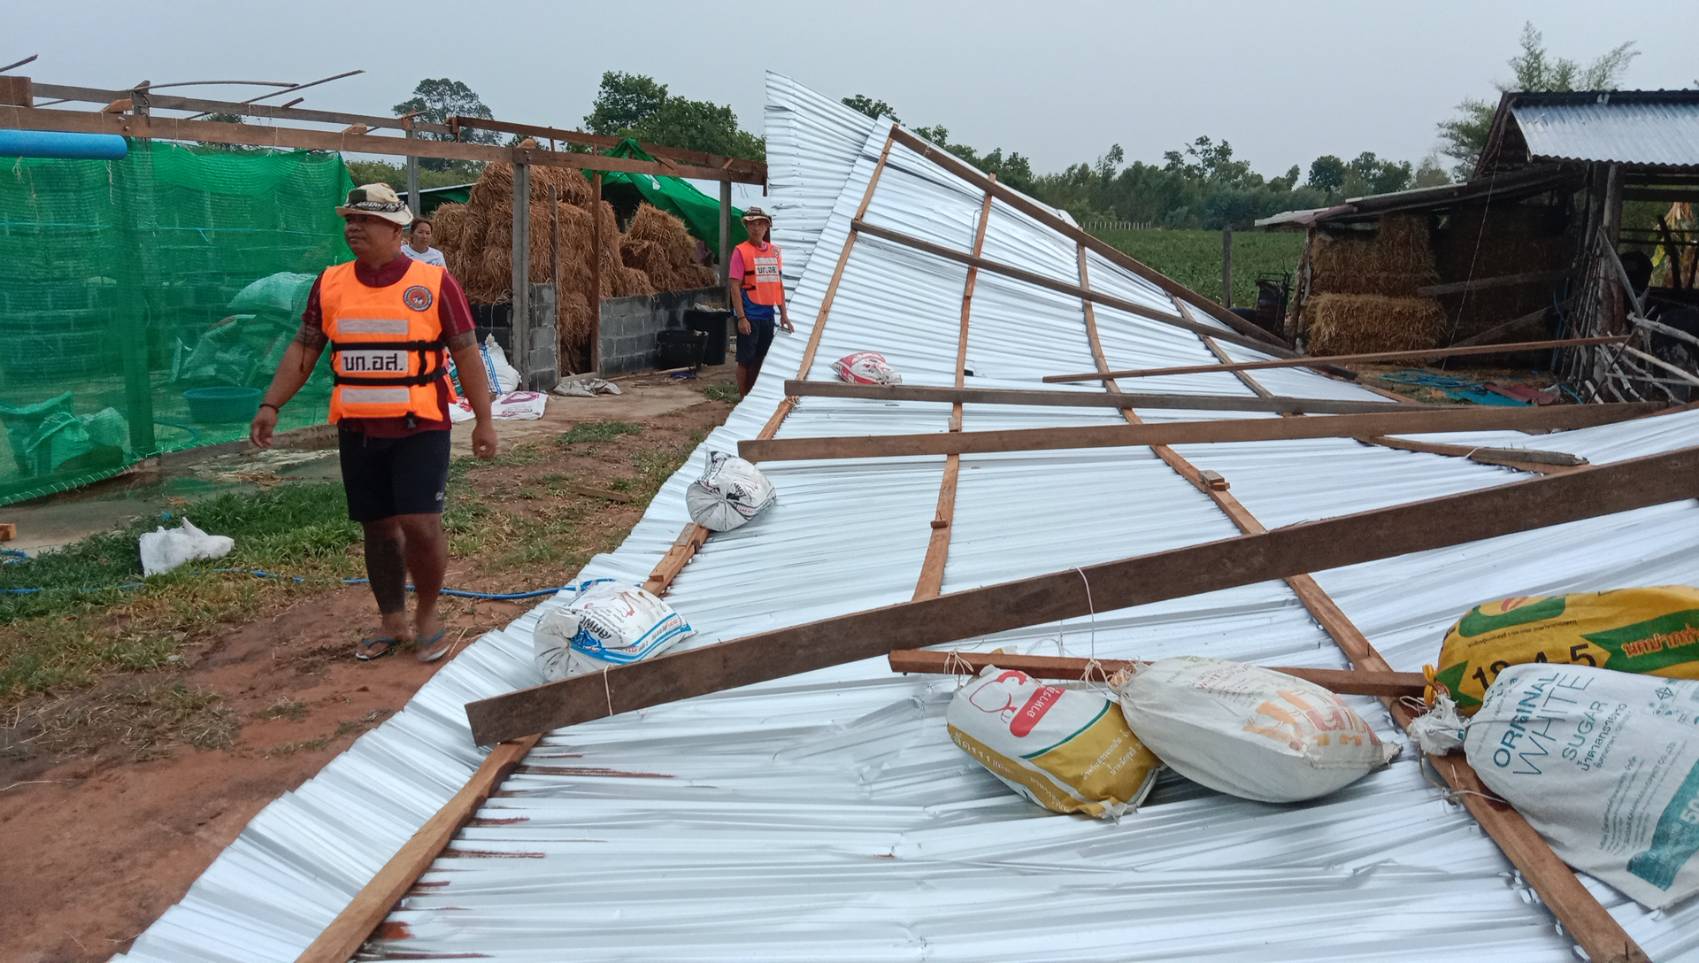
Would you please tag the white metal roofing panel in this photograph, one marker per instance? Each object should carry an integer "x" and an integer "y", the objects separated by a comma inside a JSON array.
[{"x": 1664, "y": 134}]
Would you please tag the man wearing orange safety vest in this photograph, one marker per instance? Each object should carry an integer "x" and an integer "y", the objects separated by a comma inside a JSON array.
[
  {"x": 756, "y": 289},
  {"x": 387, "y": 319}
]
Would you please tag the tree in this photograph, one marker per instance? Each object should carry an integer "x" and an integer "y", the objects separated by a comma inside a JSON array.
[
  {"x": 624, "y": 102},
  {"x": 435, "y": 101},
  {"x": 636, "y": 105},
  {"x": 1327, "y": 173},
  {"x": 1533, "y": 70},
  {"x": 872, "y": 108},
  {"x": 1430, "y": 173}
]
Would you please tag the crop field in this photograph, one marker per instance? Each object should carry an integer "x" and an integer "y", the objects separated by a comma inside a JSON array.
[{"x": 1194, "y": 257}]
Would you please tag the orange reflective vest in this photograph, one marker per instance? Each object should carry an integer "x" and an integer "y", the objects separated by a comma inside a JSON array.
[
  {"x": 386, "y": 343},
  {"x": 763, "y": 281}
]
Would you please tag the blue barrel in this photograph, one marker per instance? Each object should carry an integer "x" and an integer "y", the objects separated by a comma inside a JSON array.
[{"x": 52, "y": 143}]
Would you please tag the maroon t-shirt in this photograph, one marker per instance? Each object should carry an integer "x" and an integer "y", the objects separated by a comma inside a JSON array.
[{"x": 452, "y": 310}]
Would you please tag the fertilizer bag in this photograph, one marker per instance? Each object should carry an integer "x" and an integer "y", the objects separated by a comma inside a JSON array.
[
  {"x": 1605, "y": 765},
  {"x": 731, "y": 492},
  {"x": 866, "y": 368},
  {"x": 1065, "y": 749},
  {"x": 1654, "y": 631},
  {"x": 608, "y": 624},
  {"x": 1249, "y": 731}
]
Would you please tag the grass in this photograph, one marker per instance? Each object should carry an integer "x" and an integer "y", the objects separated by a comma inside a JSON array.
[
  {"x": 145, "y": 718},
  {"x": 1194, "y": 257},
  {"x": 725, "y": 393},
  {"x": 596, "y": 431},
  {"x": 95, "y": 613}
]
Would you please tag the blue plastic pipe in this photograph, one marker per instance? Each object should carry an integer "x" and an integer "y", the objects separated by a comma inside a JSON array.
[{"x": 51, "y": 143}]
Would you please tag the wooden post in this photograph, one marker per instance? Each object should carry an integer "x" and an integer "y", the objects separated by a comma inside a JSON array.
[
  {"x": 596, "y": 271},
  {"x": 412, "y": 176},
  {"x": 16, "y": 92},
  {"x": 726, "y": 233},
  {"x": 521, "y": 301},
  {"x": 1227, "y": 267}
]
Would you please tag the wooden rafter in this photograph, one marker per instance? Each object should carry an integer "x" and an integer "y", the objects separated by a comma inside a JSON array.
[
  {"x": 1192, "y": 432},
  {"x": 1090, "y": 399},
  {"x": 941, "y": 662},
  {"x": 1371, "y": 356},
  {"x": 943, "y": 518}
]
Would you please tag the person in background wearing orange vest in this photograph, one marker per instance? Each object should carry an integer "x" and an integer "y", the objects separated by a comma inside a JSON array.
[
  {"x": 387, "y": 319},
  {"x": 756, "y": 289}
]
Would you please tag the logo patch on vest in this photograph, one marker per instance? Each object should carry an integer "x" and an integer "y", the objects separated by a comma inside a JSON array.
[{"x": 417, "y": 297}]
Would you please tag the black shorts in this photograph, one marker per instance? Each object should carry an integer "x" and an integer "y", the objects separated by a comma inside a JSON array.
[
  {"x": 394, "y": 476},
  {"x": 752, "y": 347}
]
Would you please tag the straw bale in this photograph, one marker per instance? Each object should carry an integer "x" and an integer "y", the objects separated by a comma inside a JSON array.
[
  {"x": 448, "y": 223},
  {"x": 1348, "y": 323},
  {"x": 1396, "y": 260}
]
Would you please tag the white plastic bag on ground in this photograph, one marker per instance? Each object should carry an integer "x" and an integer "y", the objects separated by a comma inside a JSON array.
[
  {"x": 513, "y": 406},
  {"x": 1605, "y": 765},
  {"x": 1249, "y": 731},
  {"x": 503, "y": 376},
  {"x": 866, "y": 368},
  {"x": 1067, "y": 750},
  {"x": 730, "y": 492},
  {"x": 164, "y": 549},
  {"x": 608, "y": 624}
]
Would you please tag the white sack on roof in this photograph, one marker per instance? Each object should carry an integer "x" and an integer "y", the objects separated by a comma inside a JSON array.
[
  {"x": 1066, "y": 750},
  {"x": 866, "y": 368},
  {"x": 1605, "y": 765},
  {"x": 730, "y": 493},
  {"x": 609, "y": 624},
  {"x": 1249, "y": 731}
]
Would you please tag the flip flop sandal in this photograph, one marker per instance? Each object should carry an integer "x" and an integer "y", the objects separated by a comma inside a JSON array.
[
  {"x": 375, "y": 648},
  {"x": 433, "y": 647}
]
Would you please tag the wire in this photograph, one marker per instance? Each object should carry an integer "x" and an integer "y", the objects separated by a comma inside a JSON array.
[{"x": 262, "y": 573}]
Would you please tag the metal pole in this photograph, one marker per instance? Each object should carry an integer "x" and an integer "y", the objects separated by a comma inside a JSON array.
[
  {"x": 521, "y": 303},
  {"x": 726, "y": 232},
  {"x": 412, "y": 178},
  {"x": 1227, "y": 267}
]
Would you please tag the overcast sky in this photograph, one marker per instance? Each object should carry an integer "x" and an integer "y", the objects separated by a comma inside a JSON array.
[{"x": 1058, "y": 81}]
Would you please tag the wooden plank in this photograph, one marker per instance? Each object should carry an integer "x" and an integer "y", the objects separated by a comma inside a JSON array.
[
  {"x": 1524, "y": 459},
  {"x": 342, "y": 939},
  {"x": 1089, "y": 399},
  {"x": 1452, "y": 352},
  {"x": 1657, "y": 362},
  {"x": 1047, "y": 217},
  {"x": 1227, "y": 268},
  {"x": 16, "y": 92},
  {"x": 595, "y": 271},
  {"x": 291, "y": 138},
  {"x": 695, "y": 536},
  {"x": 956, "y": 662},
  {"x": 156, "y": 101},
  {"x": 1054, "y": 284},
  {"x": 1194, "y": 432},
  {"x": 1497, "y": 281},
  {"x": 660, "y": 152},
  {"x": 1075, "y": 592},
  {"x": 1531, "y": 324},
  {"x": 931, "y": 579}
]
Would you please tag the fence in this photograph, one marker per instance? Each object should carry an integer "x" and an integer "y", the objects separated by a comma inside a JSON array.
[
  {"x": 1093, "y": 225},
  {"x": 146, "y": 301},
  {"x": 1631, "y": 371}
]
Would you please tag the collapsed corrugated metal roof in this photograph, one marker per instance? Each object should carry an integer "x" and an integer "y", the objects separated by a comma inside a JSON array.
[{"x": 828, "y": 815}]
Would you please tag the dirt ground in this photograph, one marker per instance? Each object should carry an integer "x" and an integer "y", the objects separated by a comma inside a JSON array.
[{"x": 99, "y": 840}]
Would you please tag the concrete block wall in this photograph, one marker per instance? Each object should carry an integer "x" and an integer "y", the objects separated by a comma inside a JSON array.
[{"x": 629, "y": 325}]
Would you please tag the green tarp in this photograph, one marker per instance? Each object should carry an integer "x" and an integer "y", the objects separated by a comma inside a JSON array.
[
  {"x": 700, "y": 213},
  {"x": 144, "y": 301}
]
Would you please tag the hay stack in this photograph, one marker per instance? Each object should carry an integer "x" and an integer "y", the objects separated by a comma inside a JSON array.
[
  {"x": 1484, "y": 241},
  {"x": 1362, "y": 289},
  {"x": 659, "y": 245},
  {"x": 1349, "y": 323},
  {"x": 1396, "y": 260}
]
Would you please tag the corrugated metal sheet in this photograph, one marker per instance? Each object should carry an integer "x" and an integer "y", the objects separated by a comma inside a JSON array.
[
  {"x": 1658, "y": 133},
  {"x": 827, "y": 816}
]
